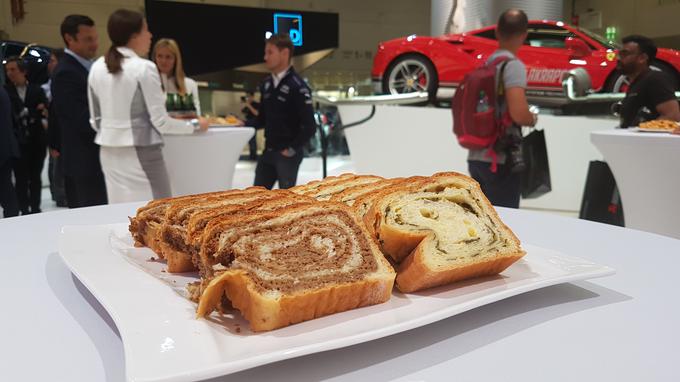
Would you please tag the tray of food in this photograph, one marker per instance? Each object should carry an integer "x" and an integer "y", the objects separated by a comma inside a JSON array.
[
  {"x": 206, "y": 285},
  {"x": 657, "y": 126},
  {"x": 228, "y": 121}
]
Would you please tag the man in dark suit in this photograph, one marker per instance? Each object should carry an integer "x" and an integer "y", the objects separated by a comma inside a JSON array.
[
  {"x": 83, "y": 174},
  {"x": 29, "y": 108},
  {"x": 9, "y": 151}
]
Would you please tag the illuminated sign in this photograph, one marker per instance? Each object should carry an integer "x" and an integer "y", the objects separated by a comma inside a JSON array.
[
  {"x": 290, "y": 24},
  {"x": 611, "y": 33}
]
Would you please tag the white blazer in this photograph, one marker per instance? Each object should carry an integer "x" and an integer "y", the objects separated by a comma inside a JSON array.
[{"x": 128, "y": 108}]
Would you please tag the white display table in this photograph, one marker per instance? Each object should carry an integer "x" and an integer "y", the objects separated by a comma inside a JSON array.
[
  {"x": 204, "y": 162},
  {"x": 646, "y": 167},
  {"x": 619, "y": 328},
  {"x": 407, "y": 140}
]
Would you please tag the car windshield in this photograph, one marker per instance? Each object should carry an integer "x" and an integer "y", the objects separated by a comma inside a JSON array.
[{"x": 606, "y": 43}]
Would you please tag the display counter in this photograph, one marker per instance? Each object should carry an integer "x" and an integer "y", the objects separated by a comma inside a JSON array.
[
  {"x": 204, "y": 162},
  {"x": 406, "y": 140},
  {"x": 621, "y": 327},
  {"x": 645, "y": 166}
]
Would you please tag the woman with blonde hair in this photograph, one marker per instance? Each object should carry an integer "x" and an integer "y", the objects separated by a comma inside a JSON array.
[
  {"x": 127, "y": 109},
  {"x": 168, "y": 59}
]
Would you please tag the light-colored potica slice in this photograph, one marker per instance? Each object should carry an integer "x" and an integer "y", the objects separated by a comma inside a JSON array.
[{"x": 441, "y": 230}]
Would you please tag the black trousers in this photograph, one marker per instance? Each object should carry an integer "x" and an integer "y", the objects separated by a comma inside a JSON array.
[
  {"x": 274, "y": 166},
  {"x": 252, "y": 145},
  {"x": 85, "y": 190},
  {"x": 8, "y": 195},
  {"x": 56, "y": 175},
  {"x": 502, "y": 188},
  {"x": 27, "y": 171}
]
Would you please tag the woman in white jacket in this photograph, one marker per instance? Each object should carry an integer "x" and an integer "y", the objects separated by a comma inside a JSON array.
[
  {"x": 168, "y": 59},
  {"x": 127, "y": 109}
]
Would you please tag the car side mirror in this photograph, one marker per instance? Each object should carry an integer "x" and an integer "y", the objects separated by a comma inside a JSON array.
[{"x": 577, "y": 47}]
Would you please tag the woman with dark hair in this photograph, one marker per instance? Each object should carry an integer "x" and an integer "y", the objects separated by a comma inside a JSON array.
[{"x": 127, "y": 109}]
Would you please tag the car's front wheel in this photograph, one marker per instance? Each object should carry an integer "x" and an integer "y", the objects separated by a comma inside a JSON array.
[{"x": 410, "y": 73}]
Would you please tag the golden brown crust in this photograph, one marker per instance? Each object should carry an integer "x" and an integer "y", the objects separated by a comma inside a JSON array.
[
  {"x": 151, "y": 238},
  {"x": 177, "y": 215},
  {"x": 327, "y": 190},
  {"x": 413, "y": 273},
  {"x": 154, "y": 212},
  {"x": 178, "y": 261},
  {"x": 274, "y": 200},
  {"x": 310, "y": 187},
  {"x": 176, "y": 211},
  {"x": 267, "y": 313},
  {"x": 350, "y": 194}
]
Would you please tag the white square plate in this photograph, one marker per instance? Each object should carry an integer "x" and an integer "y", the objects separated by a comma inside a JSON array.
[{"x": 163, "y": 341}]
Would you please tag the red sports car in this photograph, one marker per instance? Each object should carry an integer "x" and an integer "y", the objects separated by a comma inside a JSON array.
[{"x": 438, "y": 64}]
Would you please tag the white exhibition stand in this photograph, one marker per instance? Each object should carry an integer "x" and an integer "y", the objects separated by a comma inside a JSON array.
[
  {"x": 618, "y": 328},
  {"x": 204, "y": 162},
  {"x": 646, "y": 167},
  {"x": 406, "y": 140}
]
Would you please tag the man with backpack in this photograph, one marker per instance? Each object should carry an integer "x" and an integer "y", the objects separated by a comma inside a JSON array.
[{"x": 495, "y": 157}]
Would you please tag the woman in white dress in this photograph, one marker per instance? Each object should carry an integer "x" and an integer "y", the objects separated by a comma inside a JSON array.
[
  {"x": 127, "y": 109},
  {"x": 168, "y": 59}
]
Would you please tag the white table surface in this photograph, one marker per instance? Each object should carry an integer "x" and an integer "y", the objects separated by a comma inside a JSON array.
[
  {"x": 204, "y": 162},
  {"x": 646, "y": 167},
  {"x": 619, "y": 328}
]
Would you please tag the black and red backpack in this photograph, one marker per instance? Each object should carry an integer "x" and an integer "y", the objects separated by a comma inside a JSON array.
[{"x": 479, "y": 128}]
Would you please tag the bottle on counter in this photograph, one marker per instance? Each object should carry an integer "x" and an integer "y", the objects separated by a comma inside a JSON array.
[
  {"x": 189, "y": 103},
  {"x": 181, "y": 106},
  {"x": 170, "y": 103},
  {"x": 181, "y": 100}
]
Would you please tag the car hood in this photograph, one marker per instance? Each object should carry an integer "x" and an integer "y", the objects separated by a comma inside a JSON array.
[{"x": 409, "y": 39}]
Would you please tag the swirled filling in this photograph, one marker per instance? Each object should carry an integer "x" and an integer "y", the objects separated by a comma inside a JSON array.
[
  {"x": 305, "y": 253},
  {"x": 462, "y": 229}
]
